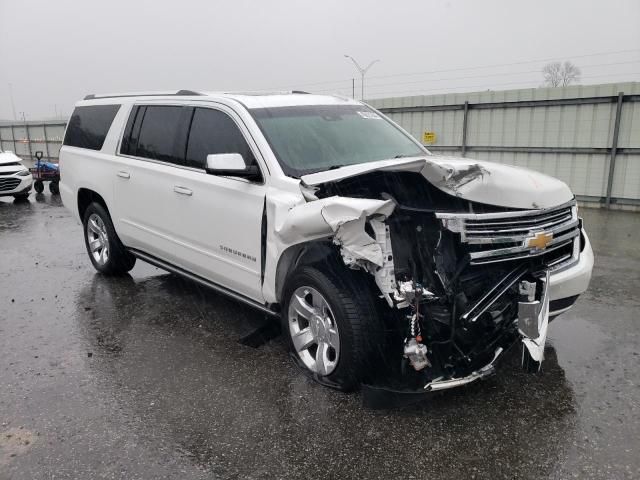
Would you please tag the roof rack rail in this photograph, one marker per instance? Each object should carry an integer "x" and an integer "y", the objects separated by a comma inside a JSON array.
[{"x": 156, "y": 94}]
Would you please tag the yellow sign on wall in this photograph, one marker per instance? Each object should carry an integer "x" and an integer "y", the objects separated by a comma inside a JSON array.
[{"x": 429, "y": 138}]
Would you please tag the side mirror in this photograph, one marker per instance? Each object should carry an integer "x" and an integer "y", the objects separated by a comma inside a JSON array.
[{"x": 231, "y": 165}]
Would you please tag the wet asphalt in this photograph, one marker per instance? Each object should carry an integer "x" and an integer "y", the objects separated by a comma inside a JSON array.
[{"x": 144, "y": 377}]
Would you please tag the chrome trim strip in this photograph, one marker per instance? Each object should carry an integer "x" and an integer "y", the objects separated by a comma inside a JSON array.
[
  {"x": 202, "y": 281},
  {"x": 475, "y": 230},
  {"x": 488, "y": 369},
  {"x": 494, "y": 293},
  {"x": 516, "y": 256},
  {"x": 531, "y": 252},
  {"x": 515, "y": 221},
  {"x": 570, "y": 261},
  {"x": 513, "y": 214},
  {"x": 568, "y": 256},
  {"x": 518, "y": 238},
  {"x": 555, "y": 313}
]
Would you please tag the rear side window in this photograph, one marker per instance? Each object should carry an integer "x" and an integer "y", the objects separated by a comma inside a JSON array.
[
  {"x": 213, "y": 131},
  {"x": 159, "y": 133},
  {"x": 89, "y": 125},
  {"x": 130, "y": 138}
]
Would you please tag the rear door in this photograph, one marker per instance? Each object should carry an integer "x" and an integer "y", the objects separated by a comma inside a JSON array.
[
  {"x": 209, "y": 225},
  {"x": 150, "y": 154}
]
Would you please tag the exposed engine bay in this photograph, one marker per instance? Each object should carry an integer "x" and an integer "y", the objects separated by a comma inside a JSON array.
[{"x": 465, "y": 280}]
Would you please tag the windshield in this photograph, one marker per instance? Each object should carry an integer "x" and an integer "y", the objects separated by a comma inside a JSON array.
[{"x": 313, "y": 138}]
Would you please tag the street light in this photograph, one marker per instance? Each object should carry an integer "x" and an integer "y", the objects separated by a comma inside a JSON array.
[
  {"x": 13, "y": 105},
  {"x": 363, "y": 72}
]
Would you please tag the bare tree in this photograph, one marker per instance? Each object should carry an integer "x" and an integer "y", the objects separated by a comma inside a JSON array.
[{"x": 558, "y": 74}]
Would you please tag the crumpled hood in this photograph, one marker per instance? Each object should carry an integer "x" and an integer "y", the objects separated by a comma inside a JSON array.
[{"x": 474, "y": 180}]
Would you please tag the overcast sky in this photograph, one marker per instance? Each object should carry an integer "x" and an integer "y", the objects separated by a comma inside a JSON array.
[{"x": 55, "y": 52}]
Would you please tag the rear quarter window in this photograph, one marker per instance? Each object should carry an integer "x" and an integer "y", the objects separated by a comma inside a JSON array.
[{"x": 89, "y": 125}]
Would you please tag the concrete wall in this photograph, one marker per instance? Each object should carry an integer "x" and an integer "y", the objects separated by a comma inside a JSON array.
[{"x": 565, "y": 132}]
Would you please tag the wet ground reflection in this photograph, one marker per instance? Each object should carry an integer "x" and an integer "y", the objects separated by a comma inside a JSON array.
[
  {"x": 168, "y": 350},
  {"x": 168, "y": 392}
]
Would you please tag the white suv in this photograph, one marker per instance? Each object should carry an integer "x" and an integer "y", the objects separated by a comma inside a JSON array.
[
  {"x": 15, "y": 179},
  {"x": 386, "y": 264}
]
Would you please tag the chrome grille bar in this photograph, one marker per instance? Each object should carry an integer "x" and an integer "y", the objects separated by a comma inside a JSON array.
[{"x": 513, "y": 235}]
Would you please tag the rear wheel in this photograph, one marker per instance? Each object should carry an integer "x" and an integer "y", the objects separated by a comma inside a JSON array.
[
  {"x": 105, "y": 250},
  {"x": 332, "y": 326},
  {"x": 54, "y": 188}
]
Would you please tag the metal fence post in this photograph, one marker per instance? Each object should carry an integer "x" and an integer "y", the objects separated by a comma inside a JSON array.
[
  {"x": 13, "y": 137},
  {"x": 46, "y": 141},
  {"x": 464, "y": 128},
  {"x": 614, "y": 149},
  {"x": 26, "y": 129}
]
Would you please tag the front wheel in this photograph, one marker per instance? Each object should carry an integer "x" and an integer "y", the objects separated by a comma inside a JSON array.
[
  {"x": 38, "y": 186},
  {"x": 332, "y": 326},
  {"x": 105, "y": 250}
]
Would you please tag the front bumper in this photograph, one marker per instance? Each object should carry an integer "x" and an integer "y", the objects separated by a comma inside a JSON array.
[
  {"x": 7, "y": 187},
  {"x": 564, "y": 285},
  {"x": 573, "y": 280}
]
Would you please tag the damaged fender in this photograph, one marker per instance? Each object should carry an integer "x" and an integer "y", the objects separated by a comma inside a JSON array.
[{"x": 343, "y": 218}]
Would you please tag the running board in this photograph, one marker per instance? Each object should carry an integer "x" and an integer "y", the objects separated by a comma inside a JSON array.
[{"x": 202, "y": 281}]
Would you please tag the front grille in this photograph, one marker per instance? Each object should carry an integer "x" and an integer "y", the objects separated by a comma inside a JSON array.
[
  {"x": 8, "y": 184},
  {"x": 8, "y": 173},
  {"x": 503, "y": 236}
]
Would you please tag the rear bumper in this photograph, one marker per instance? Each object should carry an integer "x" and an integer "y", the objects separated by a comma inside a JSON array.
[{"x": 571, "y": 282}]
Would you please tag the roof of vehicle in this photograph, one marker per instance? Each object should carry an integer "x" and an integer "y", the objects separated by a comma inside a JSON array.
[{"x": 249, "y": 99}]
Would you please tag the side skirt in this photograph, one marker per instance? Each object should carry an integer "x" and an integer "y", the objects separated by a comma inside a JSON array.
[{"x": 202, "y": 281}]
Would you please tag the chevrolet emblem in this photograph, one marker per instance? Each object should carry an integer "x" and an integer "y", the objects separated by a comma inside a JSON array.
[{"x": 539, "y": 241}]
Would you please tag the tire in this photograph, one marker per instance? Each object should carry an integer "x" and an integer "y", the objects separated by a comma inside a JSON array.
[
  {"x": 109, "y": 256},
  {"x": 348, "y": 360},
  {"x": 530, "y": 365},
  {"x": 54, "y": 188},
  {"x": 38, "y": 186}
]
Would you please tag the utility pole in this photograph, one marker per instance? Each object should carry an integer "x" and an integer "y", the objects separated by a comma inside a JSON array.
[
  {"x": 363, "y": 72},
  {"x": 13, "y": 105}
]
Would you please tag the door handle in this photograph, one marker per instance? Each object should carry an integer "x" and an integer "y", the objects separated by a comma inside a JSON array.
[
  {"x": 123, "y": 174},
  {"x": 182, "y": 190}
]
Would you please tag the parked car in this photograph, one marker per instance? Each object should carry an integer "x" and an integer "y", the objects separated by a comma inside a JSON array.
[
  {"x": 384, "y": 262},
  {"x": 15, "y": 179}
]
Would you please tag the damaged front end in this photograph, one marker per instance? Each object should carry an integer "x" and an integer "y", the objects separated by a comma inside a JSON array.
[{"x": 464, "y": 280}]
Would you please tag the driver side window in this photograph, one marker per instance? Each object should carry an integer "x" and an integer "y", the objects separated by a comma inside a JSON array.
[{"x": 213, "y": 131}]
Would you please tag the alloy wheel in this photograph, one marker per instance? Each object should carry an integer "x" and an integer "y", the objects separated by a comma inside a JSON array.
[
  {"x": 313, "y": 330},
  {"x": 98, "y": 239}
]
